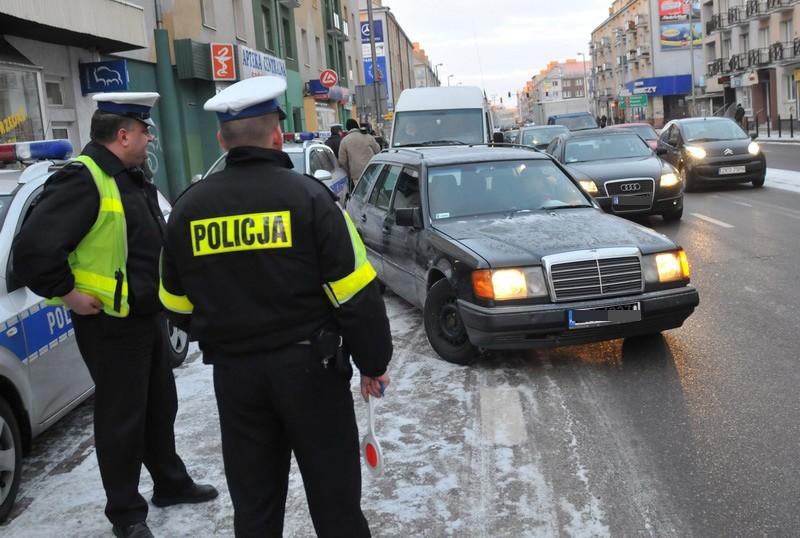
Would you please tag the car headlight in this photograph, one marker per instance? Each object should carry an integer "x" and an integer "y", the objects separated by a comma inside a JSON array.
[
  {"x": 666, "y": 267},
  {"x": 696, "y": 152},
  {"x": 668, "y": 180},
  {"x": 753, "y": 148},
  {"x": 512, "y": 283},
  {"x": 589, "y": 186}
]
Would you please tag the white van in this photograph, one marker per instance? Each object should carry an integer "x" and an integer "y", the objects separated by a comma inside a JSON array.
[{"x": 441, "y": 115}]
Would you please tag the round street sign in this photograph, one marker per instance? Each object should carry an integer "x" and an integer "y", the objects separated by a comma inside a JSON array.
[{"x": 329, "y": 78}]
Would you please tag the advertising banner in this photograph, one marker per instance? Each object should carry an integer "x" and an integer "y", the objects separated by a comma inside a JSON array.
[
  {"x": 677, "y": 37},
  {"x": 378, "y": 31},
  {"x": 109, "y": 76},
  {"x": 254, "y": 63},
  {"x": 678, "y": 10}
]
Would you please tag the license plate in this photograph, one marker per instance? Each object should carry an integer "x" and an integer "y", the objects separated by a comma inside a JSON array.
[
  {"x": 622, "y": 313},
  {"x": 638, "y": 199},
  {"x": 732, "y": 170}
]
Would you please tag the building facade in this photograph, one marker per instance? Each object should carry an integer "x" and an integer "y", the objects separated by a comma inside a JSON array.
[
  {"x": 643, "y": 56},
  {"x": 560, "y": 88},
  {"x": 752, "y": 57}
]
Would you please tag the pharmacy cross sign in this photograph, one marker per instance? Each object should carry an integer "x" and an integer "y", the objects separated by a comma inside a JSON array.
[{"x": 329, "y": 78}]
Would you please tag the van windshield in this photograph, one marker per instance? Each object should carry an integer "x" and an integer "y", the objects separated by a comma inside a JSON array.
[
  {"x": 577, "y": 122},
  {"x": 458, "y": 126}
]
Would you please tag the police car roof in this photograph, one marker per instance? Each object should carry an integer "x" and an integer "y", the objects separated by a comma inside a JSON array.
[{"x": 447, "y": 155}]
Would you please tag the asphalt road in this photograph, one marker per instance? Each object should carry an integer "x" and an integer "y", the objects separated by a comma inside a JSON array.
[
  {"x": 781, "y": 155},
  {"x": 694, "y": 433}
]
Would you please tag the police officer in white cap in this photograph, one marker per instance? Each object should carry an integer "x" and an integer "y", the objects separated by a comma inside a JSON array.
[
  {"x": 273, "y": 278},
  {"x": 92, "y": 243}
]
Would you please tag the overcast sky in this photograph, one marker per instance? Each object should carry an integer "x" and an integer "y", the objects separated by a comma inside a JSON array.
[{"x": 498, "y": 45}]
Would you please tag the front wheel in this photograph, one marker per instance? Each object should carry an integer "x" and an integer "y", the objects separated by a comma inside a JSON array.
[
  {"x": 444, "y": 326},
  {"x": 688, "y": 185},
  {"x": 673, "y": 215},
  {"x": 10, "y": 459},
  {"x": 758, "y": 183}
]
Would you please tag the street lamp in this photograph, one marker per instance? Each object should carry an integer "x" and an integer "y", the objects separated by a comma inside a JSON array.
[
  {"x": 436, "y": 73},
  {"x": 448, "y": 79},
  {"x": 585, "y": 80}
]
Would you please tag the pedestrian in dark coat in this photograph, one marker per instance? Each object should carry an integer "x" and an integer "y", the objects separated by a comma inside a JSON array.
[
  {"x": 271, "y": 278},
  {"x": 117, "y": 316},
  {"x": 335, "y": 139},
  {"x": 739, "y": 115}
]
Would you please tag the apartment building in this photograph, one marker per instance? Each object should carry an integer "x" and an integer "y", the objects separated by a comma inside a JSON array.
[
  {"x": 752, "y": 56},
  {"x": 643, "y": 56},
  {"x": 424, "y": 75},
  {"x": 559, "y": 88}
]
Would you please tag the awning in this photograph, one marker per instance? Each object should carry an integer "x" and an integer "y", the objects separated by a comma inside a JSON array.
[{"x": 107, "y": 26}]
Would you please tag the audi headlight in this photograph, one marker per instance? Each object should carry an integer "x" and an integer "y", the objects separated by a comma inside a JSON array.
[
  {"x": 696, "y": 152},
  {"x": 589, "y": 186},
  {"x": 666, "y": 267},
  {"x": 668, "y": 180},
  {"x": 512, "y": 283},
  {"x": 753, "y": 148}
]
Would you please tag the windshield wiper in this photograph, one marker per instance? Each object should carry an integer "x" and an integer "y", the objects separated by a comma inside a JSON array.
[
  {"x": 443, "y": 143},
  {"x": 564, "y": 206}
]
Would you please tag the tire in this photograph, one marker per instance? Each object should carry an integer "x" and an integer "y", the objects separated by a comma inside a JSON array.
[
  {"x": 444, "y": 327},
  {"x": 11, "y": 446},
  {"x": 177, "y": 343},
  {"x": 674, "y": 215},
  {"x": 758, "y": 183},
  {"x": 688, "y": 185}
]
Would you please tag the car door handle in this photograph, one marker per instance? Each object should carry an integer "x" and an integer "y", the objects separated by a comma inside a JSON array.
[
  {"x": 387, "y": 230},
  {"x": 363, "y": 218}
]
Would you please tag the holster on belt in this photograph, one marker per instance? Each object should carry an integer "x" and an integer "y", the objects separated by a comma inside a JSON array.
[{"x": 329, "y": 346}]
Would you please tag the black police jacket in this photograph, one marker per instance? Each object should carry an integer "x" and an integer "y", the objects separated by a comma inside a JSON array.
[
  {"x": 262, "y": 257},
  {"x": 65, "y": 213}
]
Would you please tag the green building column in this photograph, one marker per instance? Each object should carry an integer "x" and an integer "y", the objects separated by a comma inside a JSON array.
[{"x": 170, "y": 116}]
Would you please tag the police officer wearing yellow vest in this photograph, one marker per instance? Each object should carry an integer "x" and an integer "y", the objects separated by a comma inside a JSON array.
[
  {"x": 274, "y": 277},
  {"x": 92, "y": 243}
]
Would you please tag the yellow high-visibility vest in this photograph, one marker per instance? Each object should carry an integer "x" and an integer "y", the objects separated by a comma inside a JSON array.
[{"x": 99, "y": 261}]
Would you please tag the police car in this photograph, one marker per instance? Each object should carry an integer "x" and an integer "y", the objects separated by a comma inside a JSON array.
[
  {"x": 42, "y": 375},
  {"x": 310, "y": 156}
]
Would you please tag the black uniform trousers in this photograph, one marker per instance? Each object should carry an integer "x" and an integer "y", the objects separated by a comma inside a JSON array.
[
  {"x": 135, "y": 405},
  {"x": 277, "y": 402}
]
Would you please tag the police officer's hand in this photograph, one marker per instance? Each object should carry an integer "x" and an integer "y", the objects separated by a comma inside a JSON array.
[
  {"x": 82, "y": 303},
  {"x": 372, "y": 385}
]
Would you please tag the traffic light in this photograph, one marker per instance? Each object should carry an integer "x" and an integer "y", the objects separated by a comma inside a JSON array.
[{"x": 547, "y": 92}]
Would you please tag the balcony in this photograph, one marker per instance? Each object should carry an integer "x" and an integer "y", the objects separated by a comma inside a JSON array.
[
  {"x": 736, "y": 16},
  {"x": 291, "y": 4},
  {"x": 758, "y": 57},
  {"x": 774, "y": 6},
  {"x": 716, "y": 67},
  {"x": 643, "y": 51},
  {"x": 714, "y": 24},
  {"x": 640, "y": 21},
  {"x": 754, "y": 8},
  {"x": 737, "y": 62}
]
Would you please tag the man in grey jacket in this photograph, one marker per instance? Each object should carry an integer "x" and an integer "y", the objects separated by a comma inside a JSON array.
[{"x": 355, "y": 150}]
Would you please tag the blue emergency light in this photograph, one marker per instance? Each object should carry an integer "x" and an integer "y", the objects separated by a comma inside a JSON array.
[{"x": 59, "y": 149}]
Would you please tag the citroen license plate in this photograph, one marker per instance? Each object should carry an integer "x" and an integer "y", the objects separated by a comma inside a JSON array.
[
  {"x": 622, "y": 313},
  {"x": 724, "y": 170}
]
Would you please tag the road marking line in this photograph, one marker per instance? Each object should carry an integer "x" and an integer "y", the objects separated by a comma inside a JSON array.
[
  {"x": 743, "y": 203},
  {"x": 501, "y": 417},
  {"x": 713, "y": 221}
]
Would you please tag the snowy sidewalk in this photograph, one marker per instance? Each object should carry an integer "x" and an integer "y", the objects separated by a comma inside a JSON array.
[{"x": 783, "y": 179}]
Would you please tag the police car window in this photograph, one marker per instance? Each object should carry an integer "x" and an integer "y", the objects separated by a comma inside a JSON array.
[
  {"x": 382, "y": 193},
  {"x": 329, "y": 159},
  {"x": 13, "y": 282},
  {"x": 367, "y": 180},
  {"x": 317, "y": 161},
  {"x": 407, "y": 192}
]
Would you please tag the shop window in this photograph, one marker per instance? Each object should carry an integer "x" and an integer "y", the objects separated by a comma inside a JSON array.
[{"x": 20, "y": 110}]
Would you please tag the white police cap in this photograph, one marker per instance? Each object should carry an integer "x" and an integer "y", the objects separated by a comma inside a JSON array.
[
  {"x": 135, "y": 105},
  {"x": 248, "y": 98}
]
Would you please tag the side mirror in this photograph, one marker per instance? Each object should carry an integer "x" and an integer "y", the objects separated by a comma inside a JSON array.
[
  {"x": 661, "y": 150},
  {"x": 408, "y": 216},
  {"x": 196, "y": 178},
  {"x": 753, "y": 135},
  {"x": 323, "y": 175},
  {"x": 497, "y": 138}
]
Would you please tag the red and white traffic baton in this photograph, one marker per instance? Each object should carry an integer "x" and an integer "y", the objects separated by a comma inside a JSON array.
[{"x": 370, "y": 447}]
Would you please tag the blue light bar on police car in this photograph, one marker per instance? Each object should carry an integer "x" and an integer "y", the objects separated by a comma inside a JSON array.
[{"x": 59, "y": 149}]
